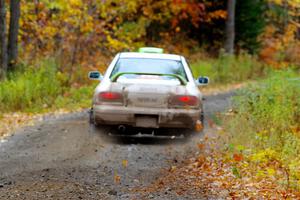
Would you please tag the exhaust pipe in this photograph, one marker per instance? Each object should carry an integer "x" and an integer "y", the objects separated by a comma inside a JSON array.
[{"x": 121, "y": 128}]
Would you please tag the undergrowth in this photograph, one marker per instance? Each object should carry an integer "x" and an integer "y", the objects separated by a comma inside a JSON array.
[
  {"x": 41, "y": 89},
  {"x": 264, "y": 127},
  {"x": 229, "y": 69}
]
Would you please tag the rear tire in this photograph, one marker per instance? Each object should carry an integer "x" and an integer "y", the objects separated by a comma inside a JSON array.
[
  {"x": 99, "y": 128},
  {"x": 202, "y": 117},
  {"x": 91, "y": 116}
]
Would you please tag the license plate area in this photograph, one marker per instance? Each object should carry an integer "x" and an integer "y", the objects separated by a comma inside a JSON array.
[
  {"x": 146, "y": 121},
  {"x": 147, "y": 100}
]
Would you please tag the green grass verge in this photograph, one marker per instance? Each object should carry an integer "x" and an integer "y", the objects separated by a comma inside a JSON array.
[
  {"x": 230, "y": 69},
  {"x": 42, "y": 89},
  {"x": 266, "y": 123}
]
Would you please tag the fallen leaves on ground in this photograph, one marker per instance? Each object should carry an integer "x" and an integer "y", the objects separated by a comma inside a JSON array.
[
  {"x": 124, "y": 163},
  {"x": 10, "y": 122},
  {"x": 117, "y": 179},
  {"x": 214, "y": 174}
]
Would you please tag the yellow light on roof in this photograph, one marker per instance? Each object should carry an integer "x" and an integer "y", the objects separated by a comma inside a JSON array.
[{"x": 150, "y": 50}]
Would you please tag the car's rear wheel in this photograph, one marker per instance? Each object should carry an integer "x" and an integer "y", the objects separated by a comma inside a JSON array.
[
  {"x": 97, "y": 127},
  {"x": 202, "y": 117},
  {"x": 91, "y": 116}
]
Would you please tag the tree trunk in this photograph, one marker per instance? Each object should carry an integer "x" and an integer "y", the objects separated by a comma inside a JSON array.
[
  {"x": 3, "y": 43},
  {"x": 13, "y": 33},
  {"x": 230, "y": 27}
]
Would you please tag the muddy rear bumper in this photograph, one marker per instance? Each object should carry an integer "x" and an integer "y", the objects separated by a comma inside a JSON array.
[{"x": 146, "y": 117}]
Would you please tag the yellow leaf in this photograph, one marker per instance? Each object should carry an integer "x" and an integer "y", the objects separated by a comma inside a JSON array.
[
  {"x": 271, "y": 171},
  {"x": 172, "y": 168},
  {"x": 124, "y": 163}
]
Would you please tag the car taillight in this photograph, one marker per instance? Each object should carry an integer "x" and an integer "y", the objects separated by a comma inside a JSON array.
[
  {"x": 110, "y": 97},
  {"x": 184, "y": 100}
]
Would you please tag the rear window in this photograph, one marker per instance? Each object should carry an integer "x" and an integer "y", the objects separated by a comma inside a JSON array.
[{"x": 147, "y": 65}]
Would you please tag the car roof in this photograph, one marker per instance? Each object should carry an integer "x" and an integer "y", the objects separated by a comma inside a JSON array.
[{"x": 150, "y": 55}]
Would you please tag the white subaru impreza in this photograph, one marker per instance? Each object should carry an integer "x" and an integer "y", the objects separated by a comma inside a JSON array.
[{"x": 147, "y": 89}]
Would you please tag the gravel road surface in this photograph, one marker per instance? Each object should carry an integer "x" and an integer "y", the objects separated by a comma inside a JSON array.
[{"x": 64, "y": 158}]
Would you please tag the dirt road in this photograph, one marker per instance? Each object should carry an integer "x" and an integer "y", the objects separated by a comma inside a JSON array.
[{"x": 64, "y": 159}]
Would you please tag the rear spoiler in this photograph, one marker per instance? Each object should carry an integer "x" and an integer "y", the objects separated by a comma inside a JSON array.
[{"x": 115, "y": 77}]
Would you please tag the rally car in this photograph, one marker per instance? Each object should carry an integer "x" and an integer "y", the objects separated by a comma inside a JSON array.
[{"x": 147, "y": 89}]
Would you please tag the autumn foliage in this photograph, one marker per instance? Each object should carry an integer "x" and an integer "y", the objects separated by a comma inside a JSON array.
[
  {"x": 89, "y": 32},
  {"x": 85, "y": 34},
  {"x": 280, "y": 40}
]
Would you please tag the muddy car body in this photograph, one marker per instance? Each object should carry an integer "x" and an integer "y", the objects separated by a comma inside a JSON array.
[{"x": 148, "y": 90}]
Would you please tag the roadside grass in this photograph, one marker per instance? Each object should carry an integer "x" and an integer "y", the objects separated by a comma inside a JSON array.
[
  {"x": 76, "y": 98},
  {"x": 262, "y": 132},
  {"x": 42, "y": 89},
  {"x": 228, "y": 69}
]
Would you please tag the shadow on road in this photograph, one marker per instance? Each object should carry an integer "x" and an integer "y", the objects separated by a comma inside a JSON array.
[{"x": 142, "y": 136}]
